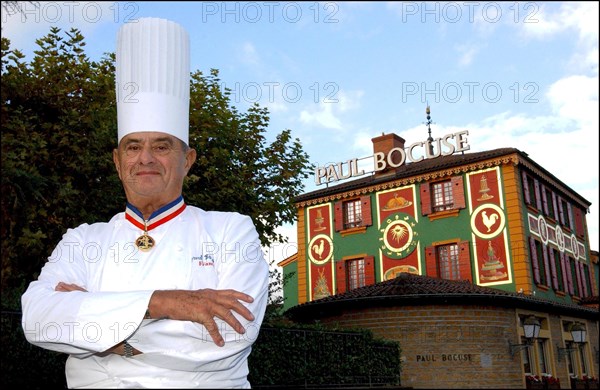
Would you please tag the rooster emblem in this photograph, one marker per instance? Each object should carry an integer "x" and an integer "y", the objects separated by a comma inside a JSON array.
[
  {"x": 489, "y": 221},
  {"x": 319, "y": 247}
]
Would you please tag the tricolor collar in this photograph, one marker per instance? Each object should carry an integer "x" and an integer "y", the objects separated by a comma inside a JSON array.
[{"x": 160, "y": 216}]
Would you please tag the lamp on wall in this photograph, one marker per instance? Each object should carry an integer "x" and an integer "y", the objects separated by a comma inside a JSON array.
[
  {"x": 531, "y": 328},
  {"x": 578, "y": 334}
]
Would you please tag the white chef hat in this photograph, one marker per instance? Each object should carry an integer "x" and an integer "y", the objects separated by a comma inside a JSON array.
[{"x": 153, "y": 78}]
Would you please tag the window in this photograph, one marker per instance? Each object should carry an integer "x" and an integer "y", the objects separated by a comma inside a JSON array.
[
  {"x": 548, "y": 204},
  {"x": 526, "y": 354},
  {"x": 542, "y": 358},
  {"x": 355, "y": 270},
  {"x": 574, "y": 277},
  {"x": 448, "y": 262},
  {"x": 570, "y": 357},
  {"x": 576, "y": 354},
  {"x": 442, "y": 196},
  {"x": 353, "y": 213},
  {"x": 531, "y": 190},
  {"x": 557, "y": 275},
  {"x": 539, "y": 259},
  {"x": 562, "y": 213},
  {"x": 536, "y": 356}
]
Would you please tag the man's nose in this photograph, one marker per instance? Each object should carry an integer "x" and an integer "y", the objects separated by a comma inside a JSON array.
[{"x": 146, "y": 155}]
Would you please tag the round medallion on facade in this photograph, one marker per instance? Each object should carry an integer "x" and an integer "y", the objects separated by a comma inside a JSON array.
[
  {"x": 574, "y": 246},
  {"x": 543, "y": 226},
  {"x": 398, "y": 236},
  {"x": 488, "y": 220},
  {"x": 560, "y": 239},
  {"x": 320, "y": 249}
]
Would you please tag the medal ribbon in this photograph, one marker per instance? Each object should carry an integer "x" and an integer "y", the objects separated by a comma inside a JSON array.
[{"x": 157, "y": 218}]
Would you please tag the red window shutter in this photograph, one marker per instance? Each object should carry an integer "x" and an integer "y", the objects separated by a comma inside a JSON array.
[
  {"x": 458, "y": 192},
  {"x": 369, "y": 270},
  {"x": 546, "y": 264},
  {"x": 565, "y": 269},
  {"x": 553, "y": 269},
  {"x": 570, "y": 216},
  {"x": 464, "y": 261},
  {"x": 431, "y": 262},
  {"x": 578, "y": 276},
  {"x": 526, "y": 188},
  {"x": 338, "y": 216},
  {"x": 425, "y": 191},
  {"x": 340, "y": 277},
  {"x": 555, "y": 206},
  {"x": 584, "y": 291},
  {"x": 538, "y": 198},
  {"x": 591, "y": 278},
  {"x": 365, "y": 202},
  {"x": 534, "y": 260},
  {"x": 578, "y": 221},
  {"x": 568, "y": 262},
  {"x": 561, "y": 211},
  {"x": 544, "y": 199}
]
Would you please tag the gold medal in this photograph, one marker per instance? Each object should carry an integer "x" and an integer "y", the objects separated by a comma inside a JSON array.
[{"x": 145, "y": 242}]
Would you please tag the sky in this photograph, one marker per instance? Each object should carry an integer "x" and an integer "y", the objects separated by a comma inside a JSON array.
[{"x": 337, "y": 74}]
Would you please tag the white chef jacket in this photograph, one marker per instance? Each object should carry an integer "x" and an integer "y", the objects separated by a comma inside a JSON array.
[{"x": 195, "y": 250}]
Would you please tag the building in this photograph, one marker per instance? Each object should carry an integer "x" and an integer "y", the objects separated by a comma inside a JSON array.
[{"x": 451, "y": 253}]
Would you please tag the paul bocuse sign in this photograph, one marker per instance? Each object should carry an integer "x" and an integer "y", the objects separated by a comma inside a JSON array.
[{"x": 395, "y": 157}]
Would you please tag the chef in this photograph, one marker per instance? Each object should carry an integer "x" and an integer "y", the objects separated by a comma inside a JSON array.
[{"x": 164, "y": 294}]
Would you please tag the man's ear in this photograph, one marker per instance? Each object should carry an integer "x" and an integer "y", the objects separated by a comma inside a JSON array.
[{"x": 190, "y": 158}]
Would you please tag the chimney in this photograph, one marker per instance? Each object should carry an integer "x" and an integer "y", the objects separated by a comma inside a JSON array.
[{"x": 384, "y": 144}]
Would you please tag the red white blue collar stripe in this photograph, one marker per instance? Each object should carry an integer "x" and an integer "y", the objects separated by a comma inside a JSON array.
[{"x": 160, "y": 216}]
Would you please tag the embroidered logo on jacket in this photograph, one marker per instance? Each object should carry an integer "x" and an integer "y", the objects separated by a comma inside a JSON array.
[{"x": 204, "y": 260}]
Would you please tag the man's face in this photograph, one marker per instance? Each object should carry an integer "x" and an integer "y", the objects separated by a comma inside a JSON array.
[{"x": 152, "y": 166}]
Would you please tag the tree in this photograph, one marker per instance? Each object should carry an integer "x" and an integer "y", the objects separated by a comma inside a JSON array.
[
  {"x": 15, "y": 7},
  {"x": 58, "y": 131}
]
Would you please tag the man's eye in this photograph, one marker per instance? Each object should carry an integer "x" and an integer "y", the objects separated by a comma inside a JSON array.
[{"x": 161, "y": 148}]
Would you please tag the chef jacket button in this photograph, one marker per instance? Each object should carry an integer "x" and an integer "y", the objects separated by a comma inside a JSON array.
[{"x": 178, "y": 248}]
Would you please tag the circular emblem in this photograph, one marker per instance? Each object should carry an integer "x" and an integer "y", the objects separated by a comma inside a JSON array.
[
  {"x": 560, "y": 239},
  {"x": 543, "y": 229},
  {"x": 487, "y": 221},
  {"x": 398, "y": 236},
  {"x": 320, "y": 249},
  {"x": 574, "y": 245}
]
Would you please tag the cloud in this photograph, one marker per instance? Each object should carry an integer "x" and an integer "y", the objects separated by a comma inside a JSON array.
[
  {"x": 467, "y": 54},
  {"x": 327, "y": 115},
  {"x": 581, "y": 18},
  {"x": 23, "y": 28},
  {"x": 249, "y": 54}
]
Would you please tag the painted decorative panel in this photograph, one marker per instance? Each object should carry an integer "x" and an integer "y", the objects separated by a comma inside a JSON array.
[
  {"x": 320, "y": 251},
  {"x": 488, "y": 226},
  {"x": 397, "y": 216}
]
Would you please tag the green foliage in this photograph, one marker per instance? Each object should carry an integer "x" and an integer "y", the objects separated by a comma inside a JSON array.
[
  {"x": 284, "y": 354},
  {"x": 302, "y": 355},
  {"x": 25, "y": 365},
  {"x": 59, "y": 126},
  {"x": 58, "y": 130},
  {"x": 236, "y": 169}
]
